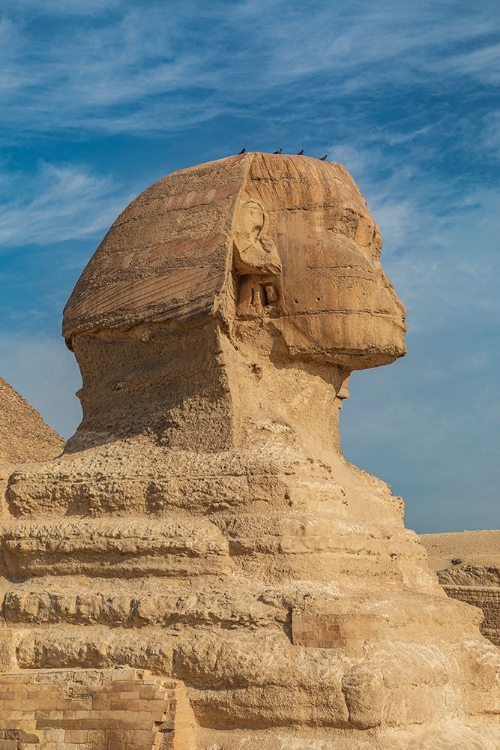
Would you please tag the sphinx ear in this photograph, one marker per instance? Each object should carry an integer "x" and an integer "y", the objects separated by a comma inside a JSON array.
[
  {"x": 258, "y": 259},
  {"x": 258, "y": 256}
]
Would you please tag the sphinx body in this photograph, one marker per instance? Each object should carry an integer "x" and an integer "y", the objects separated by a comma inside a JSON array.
[{"x": 202, "y": 523}]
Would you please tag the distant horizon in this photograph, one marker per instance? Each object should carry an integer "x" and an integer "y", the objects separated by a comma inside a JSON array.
[{"x": 102, "y": 99}]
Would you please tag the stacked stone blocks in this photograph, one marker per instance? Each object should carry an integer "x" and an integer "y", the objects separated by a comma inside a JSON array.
[
  {"x": 486, "y": 598},
  {"x": 91, "y": 710}
]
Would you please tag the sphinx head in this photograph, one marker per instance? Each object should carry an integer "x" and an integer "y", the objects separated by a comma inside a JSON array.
[
  {"x": 307, "y": 257},
  {"x": 282, "y": 242}
]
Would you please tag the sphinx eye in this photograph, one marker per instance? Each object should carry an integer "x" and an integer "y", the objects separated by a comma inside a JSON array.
[{"x": 348, "y": 223}]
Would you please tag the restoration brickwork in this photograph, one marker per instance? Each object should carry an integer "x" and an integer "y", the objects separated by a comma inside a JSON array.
[{"x": 98, "y": 709}]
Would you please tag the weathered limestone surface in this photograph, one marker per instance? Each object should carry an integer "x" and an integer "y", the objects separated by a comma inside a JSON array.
[
  {"x": 468, "y": 567},
  {"x": 202, "y": 523}
]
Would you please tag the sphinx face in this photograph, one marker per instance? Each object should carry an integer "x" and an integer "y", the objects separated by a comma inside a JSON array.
[
  {"x": 305, "y": 251},
  {"x": 335, "y": 302},
  {"x": 338, "y": 304}
]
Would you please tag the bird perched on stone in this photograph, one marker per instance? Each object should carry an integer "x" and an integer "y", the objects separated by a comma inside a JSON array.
[
  {"x": 323, "y": 158},
  {"x": 243, "y": 151},
  {"x": 300, "y": 152},
  {"x": 278, "y": 151}
]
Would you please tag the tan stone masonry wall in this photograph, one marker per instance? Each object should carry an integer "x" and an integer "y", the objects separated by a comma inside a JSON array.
[
  {"x": 486, "y": 598},
  {"x": 467, "y": 564},
  {"x": 124, "y": 709}
]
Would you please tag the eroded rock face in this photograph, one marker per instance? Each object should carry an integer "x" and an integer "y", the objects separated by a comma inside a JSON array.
[{"x": 202, "y": 523}]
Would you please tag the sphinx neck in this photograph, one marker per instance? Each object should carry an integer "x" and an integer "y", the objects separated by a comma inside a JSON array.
[
  {"x": 196, "y": 390},
  {"x": 281, "y": 402}
]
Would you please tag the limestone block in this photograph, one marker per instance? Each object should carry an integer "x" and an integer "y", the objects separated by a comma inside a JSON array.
[
  {"x": 180, "y": 547},
  {"x": 314, "y": 630},
  {"x": 364, "y": 692},
  {"x": 8, "y": 643}
]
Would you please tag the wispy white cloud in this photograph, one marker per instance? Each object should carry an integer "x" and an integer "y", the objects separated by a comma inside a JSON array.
[
  {"x": 450, "y": 265},
  {"x": 482, "y": 64},
  {"x": 490, "y": 139},
  {"x": 60, "y": 7},
  {"x": 110, "y": 69},
  {"x": 59, "y": 202}
]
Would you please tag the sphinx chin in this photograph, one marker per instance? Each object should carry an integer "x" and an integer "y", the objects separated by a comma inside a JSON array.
[{"x": 353, "y": 341}]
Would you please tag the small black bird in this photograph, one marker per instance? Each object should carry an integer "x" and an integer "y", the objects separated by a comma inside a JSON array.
[
  {"x": 300, "y": 153},
  {"x": 243, "y": 151},
  {"x": 323, "y": 158},
  {"x": 278, "y": 151}
]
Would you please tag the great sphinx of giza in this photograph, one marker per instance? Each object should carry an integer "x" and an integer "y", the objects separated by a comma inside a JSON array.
[{"x": 202, "y": 533}]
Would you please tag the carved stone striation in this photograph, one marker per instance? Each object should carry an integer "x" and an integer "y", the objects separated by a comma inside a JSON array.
[{"x": 202, "y": 523}]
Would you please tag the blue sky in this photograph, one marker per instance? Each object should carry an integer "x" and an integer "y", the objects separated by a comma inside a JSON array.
[{"x": 100, "y": 98}]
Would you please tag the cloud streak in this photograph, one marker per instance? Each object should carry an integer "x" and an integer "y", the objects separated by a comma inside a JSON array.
[
  {"x": 105, "y": 73},
  {"x": 57, "y": 203}
]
